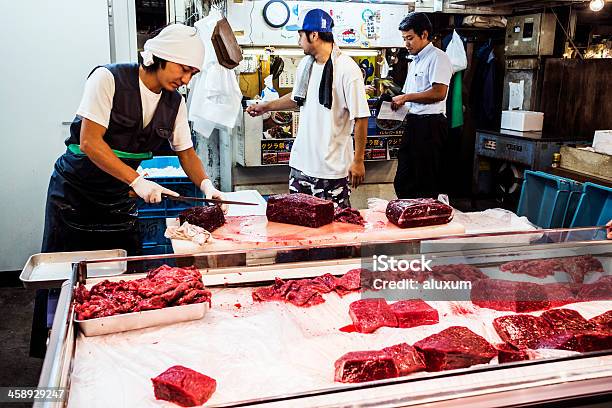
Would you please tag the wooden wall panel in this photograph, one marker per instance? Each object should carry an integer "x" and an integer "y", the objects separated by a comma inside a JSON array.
[{"x": 577, "y": 97}]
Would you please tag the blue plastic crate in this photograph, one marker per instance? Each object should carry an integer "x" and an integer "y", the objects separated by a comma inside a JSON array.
[
  {"x": 157, "y": 250},
  {"x": 573, "y": 197},
  {"x": 181, "y": 185},
  {"x": 544, "y": 199},
  {"x": 152, "y": 231},
  {"x": 595, "y": 206}
]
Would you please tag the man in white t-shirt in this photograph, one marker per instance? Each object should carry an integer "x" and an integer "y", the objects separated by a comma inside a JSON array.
[
  {"x": 420, "y": 156},
  {"x": 126, "y": 113},
  {"x": 330, "y": 92}
]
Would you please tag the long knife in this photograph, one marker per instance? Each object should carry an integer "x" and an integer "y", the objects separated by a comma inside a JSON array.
[{"x": 205, "y": 200}]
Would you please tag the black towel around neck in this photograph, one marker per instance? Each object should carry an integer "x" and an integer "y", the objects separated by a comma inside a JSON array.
[{"x": 325, "y": 87}]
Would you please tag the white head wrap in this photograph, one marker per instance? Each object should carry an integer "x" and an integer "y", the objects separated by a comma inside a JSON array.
[{"x": 176, "y": 43}]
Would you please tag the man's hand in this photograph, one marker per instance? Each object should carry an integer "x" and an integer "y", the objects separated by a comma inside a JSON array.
[
  {"x": 257, "y": 109},
  {"x": 150, "y": 191},
  {"x": 210, "y": 191},
  {"x": 398, "y": 101},
  {"x": 357, "y": 173},
  {"x": 609, "y": 225}
]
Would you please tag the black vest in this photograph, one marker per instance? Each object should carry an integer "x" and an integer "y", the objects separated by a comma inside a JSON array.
[{"x": 125, "y": 128}]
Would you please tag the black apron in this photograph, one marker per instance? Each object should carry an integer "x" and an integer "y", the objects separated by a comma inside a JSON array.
[
  {"x": 87, "y": 208},
  {"x": 420, "y": 159}
]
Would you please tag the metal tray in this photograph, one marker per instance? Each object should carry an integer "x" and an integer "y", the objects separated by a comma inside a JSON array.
[
  {"x": 50, "y": 270},
  {"x": 140, "y": 320}
]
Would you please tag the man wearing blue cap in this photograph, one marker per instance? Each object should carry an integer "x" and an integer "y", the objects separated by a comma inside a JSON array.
[{"x": 330, "y": 93}]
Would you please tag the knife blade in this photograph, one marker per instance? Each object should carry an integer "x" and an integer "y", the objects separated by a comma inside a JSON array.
[{"x": 205, "y": 200}]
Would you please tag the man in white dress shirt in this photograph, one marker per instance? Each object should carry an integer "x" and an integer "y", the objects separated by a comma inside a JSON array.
[{"x": 419, "y": 168}]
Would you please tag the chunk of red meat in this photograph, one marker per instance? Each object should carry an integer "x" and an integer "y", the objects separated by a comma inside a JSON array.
[
  {"x": 522, "y": 331},
  {"x": 368, "y": 315},
  {"x": 414, "y": 312},
  {"x": 183, "y": 386},
  {"x": 349, "y": 216},
  {"x": 419, "y": 212},
  {"x": 360, "y": 366},
  {"x": 350, "y": 281},
  {"x": 457, "y": 272},
  {"x": 515, "y": 296},
  {"x": 300, "y": 209},
  {"x": 455, "y": 347},
  {"x": 562, "y": 320},
  {"x": 208, "y": 217},
  {"x": 407, "y": 359},
  {"x": 603, "y": 321}
]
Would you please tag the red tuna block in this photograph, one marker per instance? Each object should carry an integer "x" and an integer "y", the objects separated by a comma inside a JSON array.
[
  {"x": 360, "y": 366},
  {"x": 300, "y": 209},
  {"x": 508, "y": 354},
  {"x": 414, "y": 312},
  {"x": 504, "y": 295},
  {"x": 603, "y": 321},
  {"x": 370, "y": 314},
  {"x": 457, "y": 272},
  {"x": 575, "y": 266},
  {"x": 562, "y": 320},
  {"x": 348, "y": 216},
  {"x": 522, "y": 331},
  {"x": 455, "y": 347},
  {"x": 419, "y": 212},
  {"x": 208, "y": 217},
  {"x": 183, "y": 386},
  {"x": 407, "y": 359}
]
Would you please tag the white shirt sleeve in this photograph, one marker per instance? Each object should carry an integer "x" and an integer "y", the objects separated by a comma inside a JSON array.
[
  {"x": 356, "y": 99},
  {"x": 354, "y": 93},
  {"x": 441, "y": 70},
  {"x": 97, "y": 100},
  {"x": 181, "y": 137}
]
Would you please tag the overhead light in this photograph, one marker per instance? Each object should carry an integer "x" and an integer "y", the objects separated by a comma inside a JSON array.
[{"x": 596, "y": 5}]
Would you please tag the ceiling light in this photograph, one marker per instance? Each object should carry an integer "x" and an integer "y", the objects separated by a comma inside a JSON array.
[{"x": 596, "y": 5}]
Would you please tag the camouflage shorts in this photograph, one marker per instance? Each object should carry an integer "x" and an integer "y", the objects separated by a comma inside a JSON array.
[{"x": 336, "y": 190}]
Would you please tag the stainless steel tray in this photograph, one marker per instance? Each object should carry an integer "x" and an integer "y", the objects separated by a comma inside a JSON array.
[
  {"x": 50, "y": 270},
  {"x": 141, "y": 320}
]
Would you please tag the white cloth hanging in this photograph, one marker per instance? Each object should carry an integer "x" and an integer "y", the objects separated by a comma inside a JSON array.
[{"x": 214, "y": 101}]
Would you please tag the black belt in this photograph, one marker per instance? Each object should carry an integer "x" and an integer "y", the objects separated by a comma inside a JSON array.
[{"x": 427, "y": 115}]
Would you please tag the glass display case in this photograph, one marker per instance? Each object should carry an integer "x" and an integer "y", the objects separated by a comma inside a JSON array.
[{"x": 531, "y": 325}]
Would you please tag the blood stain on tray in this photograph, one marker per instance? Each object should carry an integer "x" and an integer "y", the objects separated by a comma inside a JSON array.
[
  {"x": 348, "y": 329},
  {"x": 238, "y": 305}
]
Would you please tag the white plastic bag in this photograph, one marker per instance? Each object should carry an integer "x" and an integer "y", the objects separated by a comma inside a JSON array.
[
  {"x": 377, "y": 204},
  {"x": 456, "y": 53}
]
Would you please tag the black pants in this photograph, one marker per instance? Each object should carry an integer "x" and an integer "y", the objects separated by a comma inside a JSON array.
[{"x": 421, "y": 156}]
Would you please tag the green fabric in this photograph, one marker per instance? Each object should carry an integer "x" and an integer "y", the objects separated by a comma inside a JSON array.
[
  {"x": 457, "y": 101},
  {"x": 76, "y": 149}
]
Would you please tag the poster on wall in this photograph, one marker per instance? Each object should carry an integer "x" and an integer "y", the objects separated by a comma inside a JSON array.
[{"x": 356, "y": 25}]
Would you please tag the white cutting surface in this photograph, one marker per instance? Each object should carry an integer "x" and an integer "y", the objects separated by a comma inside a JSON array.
[{"x": 255, "y": 351}]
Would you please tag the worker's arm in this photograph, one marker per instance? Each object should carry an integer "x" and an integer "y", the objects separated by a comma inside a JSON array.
[
  {"x": 93, "y": 145},
  {"x": 99, "y": 152},
  {"x": 357, "y": 169},
  {"x": 437, "y": 93},
  {"x": 191, "y": 163},
  {"x": 283, "y": 103}
]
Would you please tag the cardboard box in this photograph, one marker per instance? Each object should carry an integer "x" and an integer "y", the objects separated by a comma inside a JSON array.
[{"x": 523, "y": 121}]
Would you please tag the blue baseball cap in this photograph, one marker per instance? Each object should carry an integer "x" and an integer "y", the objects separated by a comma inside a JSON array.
[{"x": 317, "y": 20}]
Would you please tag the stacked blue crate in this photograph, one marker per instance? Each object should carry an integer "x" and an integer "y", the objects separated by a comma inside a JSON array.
[
  {"x": 547, "y": 200},
  {"x": 595, "y": 206},
  {"x": 152, "y": 217}
]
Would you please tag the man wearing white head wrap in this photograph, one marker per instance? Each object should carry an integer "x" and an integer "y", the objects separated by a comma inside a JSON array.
[{"x": 127, "y": 112}]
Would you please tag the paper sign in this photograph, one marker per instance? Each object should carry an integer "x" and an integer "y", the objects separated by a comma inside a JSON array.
[
  {"x": 516, "y": 95},
  {"x": 389, "y": 114}
]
